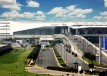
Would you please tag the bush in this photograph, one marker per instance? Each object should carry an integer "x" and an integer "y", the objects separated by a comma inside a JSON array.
[
  {"x": 90, "y": 56},
  {"x": 66, "y": 69},
  {"x": 5, "y": 49},
  {"x": 81, "y": 71},
  {"x": 34, "y": 54},
  {"x": 75, "y": 55},
  {"x": 72, "y": 53},
  {"x": 91, "y": 65}
]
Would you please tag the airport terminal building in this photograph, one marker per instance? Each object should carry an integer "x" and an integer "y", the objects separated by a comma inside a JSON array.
[
  {"x": 74, "y": 28},
  {"x": 87, "y": 29}
]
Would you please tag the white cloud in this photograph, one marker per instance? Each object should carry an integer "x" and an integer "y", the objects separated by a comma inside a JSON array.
[
  {"x": 80, "y": 16},
  {"x": 16, "y": 14},
  {"x": 71, "y": 8},
  {"x": 11, "y": 4},
  {"x": 32, "y": 4},
  {"x": 103, "y": 13},
  {"x": 102, "y": 17},
  {"x": 28, "y": 15},
  {"x": 70, "y": 12},
  {"x": 39, "y": 13},
  {"x": 81, "y": 11},
  {"x": 57, "y": 10},
  {"x": 11, "y": 15},
  {"x": 105, "y": 3},
  {"x": 40, "y": 16}
]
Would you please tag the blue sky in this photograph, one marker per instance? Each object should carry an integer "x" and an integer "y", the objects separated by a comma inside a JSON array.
[{"x": 53, "y": 10}]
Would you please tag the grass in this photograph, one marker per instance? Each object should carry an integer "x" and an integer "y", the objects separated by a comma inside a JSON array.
[
  {"x": 95, "y": 63},
  {"x": 60, "y": 60},
  {"x": 12, "y": 64}
]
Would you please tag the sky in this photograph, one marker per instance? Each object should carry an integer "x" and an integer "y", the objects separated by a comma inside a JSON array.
[{"x": 53, "y": 10}]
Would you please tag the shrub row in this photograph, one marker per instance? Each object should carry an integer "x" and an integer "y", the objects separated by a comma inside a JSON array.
[
  {"x": 5, "y": 49},
  {"x": 34, "y": 54},
  {"x": 70, "y": 69},
  {"x": 66, "y": 69}
]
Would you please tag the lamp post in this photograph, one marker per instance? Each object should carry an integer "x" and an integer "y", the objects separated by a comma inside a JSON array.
[
  {"x": 66, "y": 51},
  {"x": 99, "y": 50},
  {"x": 6, "y": 27}
]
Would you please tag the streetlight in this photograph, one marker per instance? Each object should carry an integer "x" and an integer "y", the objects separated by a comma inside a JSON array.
[
  {"x": 99, "y": 50},
  {"x": 6, "y": 28},
  {"x": 2, "y": 28}
]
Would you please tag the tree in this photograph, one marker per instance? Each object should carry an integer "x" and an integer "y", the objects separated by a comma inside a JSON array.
[{"x": 90, "y": 56}]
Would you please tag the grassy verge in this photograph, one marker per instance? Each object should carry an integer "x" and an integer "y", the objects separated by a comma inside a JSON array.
[
  {"x": 60, "y": 60},
  {"x": 13, "y": 63},
  {"x": 95, "y": 63}
]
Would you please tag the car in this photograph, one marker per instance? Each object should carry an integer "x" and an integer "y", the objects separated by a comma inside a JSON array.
[
  {"x": 43, "y": 49},
  {"x": 97, "y": 55},
  {"x": 89, "y": 45}
]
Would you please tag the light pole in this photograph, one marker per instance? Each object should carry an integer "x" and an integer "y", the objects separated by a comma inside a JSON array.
[
  {"x": 99, "y": 50},
  {"x": 6, "y": 31},
  {"x": 83, "y": 54},
  {"x": 66, "y": 48}
]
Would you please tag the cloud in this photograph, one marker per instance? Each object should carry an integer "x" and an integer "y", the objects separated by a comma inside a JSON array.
[
  {"x": 28, "y": 15},
  {"x": 32, "y": 4},
  {"x": 69, "y": 12},
  {"x": 40, "y": 16},
  {"x": 101, "y": 17},
  {"x": 10, "y": 4},
  {"x": 58, "y": 11},
  {"x": 71, "y": 8},
  {"x": 80, "y": 16},
  {"x": 81, "y": 11},
  {"x": 105, "y": 3},
  {"x": 16, "y": 14},
  {"x": 11, "y": 15}
]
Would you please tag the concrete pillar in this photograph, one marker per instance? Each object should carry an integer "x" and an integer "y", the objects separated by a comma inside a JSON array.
[
  {"x": 69, "y": 30},
  {"x": 76, "y": 31}
]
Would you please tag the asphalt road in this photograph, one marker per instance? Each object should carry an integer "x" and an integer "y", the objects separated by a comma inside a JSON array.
[
  {"x": 46, "y": 58},
  {"x": 68, "y": 58},
  {"x": 85, "y": 47}
]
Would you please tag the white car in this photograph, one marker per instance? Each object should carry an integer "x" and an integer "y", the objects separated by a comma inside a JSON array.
[{"x": 97, "y": 55}]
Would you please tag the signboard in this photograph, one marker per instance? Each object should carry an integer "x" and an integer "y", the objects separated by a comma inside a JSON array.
[
  {"x": 104, "y": 42},
  {"x": 79, "y": 68}
]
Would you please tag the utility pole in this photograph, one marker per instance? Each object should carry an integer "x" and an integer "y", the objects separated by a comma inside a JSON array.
[{"x": 99, "y": 50}]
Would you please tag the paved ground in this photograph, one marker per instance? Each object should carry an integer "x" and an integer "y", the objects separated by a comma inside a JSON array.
[
  {"x": 84, "y": 46},
  {"x": 68, "y": 57},
  {"x": 39, "y": 70},
  {"x": 46, "y": 58}
]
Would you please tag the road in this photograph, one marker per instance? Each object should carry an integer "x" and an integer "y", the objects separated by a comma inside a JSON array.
[
  {"x": 46, "y": 58},
  {"x": 39, "y": 70},
  {"x": 68, "y": 57},
  {"x": 84, "y": 46}
]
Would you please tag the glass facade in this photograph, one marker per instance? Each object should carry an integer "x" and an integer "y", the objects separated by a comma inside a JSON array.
[{"x": 44, "y": 31}]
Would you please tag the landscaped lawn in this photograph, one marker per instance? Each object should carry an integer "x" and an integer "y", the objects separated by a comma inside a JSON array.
[{"x": 12, "y": 64}]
